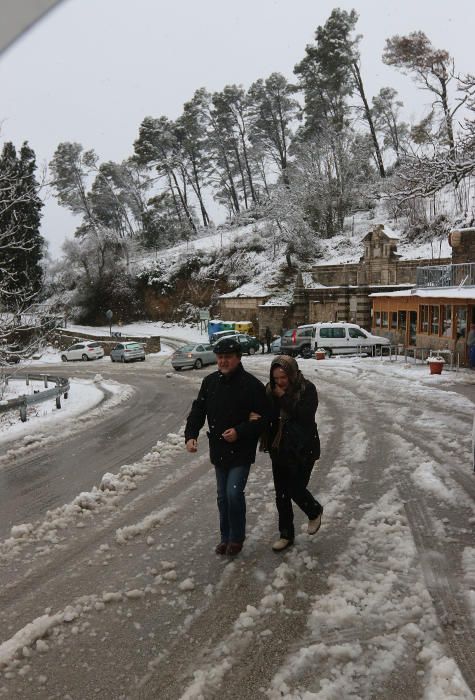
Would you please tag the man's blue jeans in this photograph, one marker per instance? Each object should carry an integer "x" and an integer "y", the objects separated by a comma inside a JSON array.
[{"x": 231, "y": 482}]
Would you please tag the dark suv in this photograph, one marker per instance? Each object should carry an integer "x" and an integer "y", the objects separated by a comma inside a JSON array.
[
  {"x": 297, "y": 341},
  {"x": 249, "y": 344}
]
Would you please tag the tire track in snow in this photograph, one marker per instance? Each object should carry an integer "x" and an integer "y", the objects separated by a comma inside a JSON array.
[{"x": 447, "y": 596}]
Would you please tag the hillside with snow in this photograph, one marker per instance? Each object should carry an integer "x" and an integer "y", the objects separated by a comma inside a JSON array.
[{"x": 249, "y": 260}]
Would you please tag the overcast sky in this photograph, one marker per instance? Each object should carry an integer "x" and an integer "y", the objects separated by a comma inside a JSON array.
[{"x": 92, "y": 69}]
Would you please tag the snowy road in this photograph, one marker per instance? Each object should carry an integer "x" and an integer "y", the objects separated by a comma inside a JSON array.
[
  {"x": 108, "y": 438},
  {"x": 119, "y": 594}
]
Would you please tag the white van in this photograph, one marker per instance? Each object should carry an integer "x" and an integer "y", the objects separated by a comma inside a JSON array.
[{"x": 344, "y": 338}]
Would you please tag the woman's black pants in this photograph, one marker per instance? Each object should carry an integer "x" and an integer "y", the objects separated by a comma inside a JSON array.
[{"x": 290, "y": 482}]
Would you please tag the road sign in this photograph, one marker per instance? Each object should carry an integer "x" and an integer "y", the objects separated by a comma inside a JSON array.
[{"x": 204, "y": 315}]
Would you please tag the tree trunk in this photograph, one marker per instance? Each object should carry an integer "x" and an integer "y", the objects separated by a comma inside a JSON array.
[
  {"x": 184, "y": 203},
  {"x": 448, "y": 117},
  {"x": 369, "y": 119},
  {"x": 195, "y": 183},
  {"x": 248, "y": 167},
  {"x": 175, "y": 201},
  {"x": 243, "y": 176}
]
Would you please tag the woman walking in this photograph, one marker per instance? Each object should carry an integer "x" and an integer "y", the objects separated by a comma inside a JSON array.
[{"x": 292, "y": 440}]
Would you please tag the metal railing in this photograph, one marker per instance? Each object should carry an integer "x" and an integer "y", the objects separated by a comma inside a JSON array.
[
  {"x": 459, "y": 275},
  {"x": 61, "y": 386},
  {"x": 410, "y": 352}
]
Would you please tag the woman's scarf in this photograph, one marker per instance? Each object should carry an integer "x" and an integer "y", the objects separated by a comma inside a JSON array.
[{"x": 293, "y": 393}]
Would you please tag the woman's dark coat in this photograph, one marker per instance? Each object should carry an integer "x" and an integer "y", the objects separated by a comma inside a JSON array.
[{"x": 300, "y": 441}]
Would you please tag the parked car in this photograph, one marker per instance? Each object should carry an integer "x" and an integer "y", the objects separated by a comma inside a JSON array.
[
  {"x": 335, "y": 338},
  {"x": 297, "y": 341},
  {"x": 275, "y": 346},
  {"x": 127, "y": 352},
  {"x": 194, "y": 355},
  {"x": 249, "y": 344},
  {"x": 214, "y": 337},
  {"x": 84, "y": 350},
  {"x": 345, "y": 338}
]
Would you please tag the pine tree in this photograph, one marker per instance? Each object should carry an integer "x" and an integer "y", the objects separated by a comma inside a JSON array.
[
  {"x": 21, "y": 244},
  {"x": 431, "y": 68},
  {"x": 330, "y": 73}
]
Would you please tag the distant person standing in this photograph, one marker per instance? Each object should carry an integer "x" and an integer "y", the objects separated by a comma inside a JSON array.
[
  {"x": 471, "y": 346},
  {"x": 262, "y": 341},
  {"x": 227, "y": 398},
  {"x": 268, "y": 336}
]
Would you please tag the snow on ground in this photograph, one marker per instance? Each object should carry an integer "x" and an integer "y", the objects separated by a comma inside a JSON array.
[
  {"x": 181, "y": 331},
  {"x": 216, "y": 240},
  {"x": 45, "y": 422},
  {"x": 368, "y": 613}
]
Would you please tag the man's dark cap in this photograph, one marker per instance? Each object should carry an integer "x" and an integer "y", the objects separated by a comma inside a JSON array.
[{"x": 227, "y": 346}]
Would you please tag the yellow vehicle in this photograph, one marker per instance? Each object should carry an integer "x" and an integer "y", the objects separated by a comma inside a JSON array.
[{"x": 243, "y": 327}]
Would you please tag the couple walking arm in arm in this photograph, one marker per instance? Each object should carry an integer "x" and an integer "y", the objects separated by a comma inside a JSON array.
[{"x": 239, "y": 409}]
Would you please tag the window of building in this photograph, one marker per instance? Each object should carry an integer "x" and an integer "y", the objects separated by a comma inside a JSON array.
[
  {"x": 402, "y": 320},
  {"x": 434, "y": 320},
  {"x": 424, "y": 319},
  {"x": 446, "y": 320},
  {"x": 461, "y": 321},
  {"x": 393, "y": 319},
  {"x": 384, "y": 319},
  {"x": 377, "y": 319}
]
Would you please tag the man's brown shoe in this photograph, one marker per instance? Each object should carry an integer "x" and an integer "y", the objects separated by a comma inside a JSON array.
[
  {"x": 221, "y": 548},
  {"x": 233, "y": 548}
]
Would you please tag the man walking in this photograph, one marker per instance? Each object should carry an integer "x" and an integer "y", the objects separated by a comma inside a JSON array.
[{"x": 226, "y": 398}]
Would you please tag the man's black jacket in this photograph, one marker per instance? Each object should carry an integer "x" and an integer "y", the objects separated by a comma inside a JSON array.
[{"x": 227, "y": 401}]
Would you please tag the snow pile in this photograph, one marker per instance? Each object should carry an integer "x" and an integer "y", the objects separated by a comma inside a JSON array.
[
  {"x": 27, "y": 636},
  {"x": 149, "y": 522},
  {"x": 81, "y": 510},
  {"x": 86, "y": 401}
]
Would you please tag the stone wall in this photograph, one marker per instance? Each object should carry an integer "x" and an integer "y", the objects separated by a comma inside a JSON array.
[
  {"x": 463, "y": 245},
  {"x": 277, "y": 318},
  {"x": 335, "y": 275}
]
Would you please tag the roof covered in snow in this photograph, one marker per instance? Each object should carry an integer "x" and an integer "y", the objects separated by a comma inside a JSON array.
[{"x": 432, "y": 293}]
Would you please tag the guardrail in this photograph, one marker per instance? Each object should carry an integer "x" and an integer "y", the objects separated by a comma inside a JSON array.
[
  {"x": 394, "y": 351},
  {"x": 62, "y": 386}
]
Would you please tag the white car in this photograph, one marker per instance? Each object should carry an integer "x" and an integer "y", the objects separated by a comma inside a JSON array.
[
  {"x": 84, "y": 350},
  {"x": 344, "y": 338}
]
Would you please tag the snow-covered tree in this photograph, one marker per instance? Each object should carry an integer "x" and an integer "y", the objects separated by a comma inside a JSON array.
[
  {"x": 158, "y": 147},
  {"x": 21, "y": 244},
  {"x": 432, "y": 69},
  {"x": 386, "y": 116},
  {"x": 330, "y": 73},
  {"x": 274, "y": 109}
]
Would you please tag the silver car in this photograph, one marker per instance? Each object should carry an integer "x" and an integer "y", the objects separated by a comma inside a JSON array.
[
  {"x": 126, "y": 352},
  {"x": 196, "y": 355}
]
